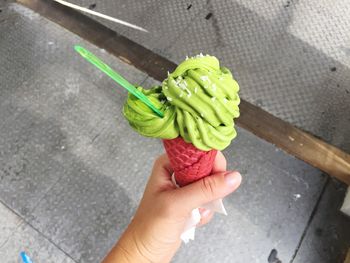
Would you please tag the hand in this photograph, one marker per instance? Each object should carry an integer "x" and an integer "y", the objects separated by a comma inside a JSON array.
[{"x": 154, "y": 233}]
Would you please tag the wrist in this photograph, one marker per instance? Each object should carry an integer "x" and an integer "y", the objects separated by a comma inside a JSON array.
[{"x": 132, "y": 248}]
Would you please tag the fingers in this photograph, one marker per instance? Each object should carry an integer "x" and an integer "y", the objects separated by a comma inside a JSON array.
[
  {"x": 162, "y": 164},
  {"x": 220, "y": 164},
  {"x": 162, "y": 169},
  {"x": 161, "y": 175},
  {"x": 208, "y": 189},
  {"x": 206, "y": 216}
]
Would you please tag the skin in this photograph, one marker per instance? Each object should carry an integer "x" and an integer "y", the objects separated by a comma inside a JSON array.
[{"x": 154, "y": 233}]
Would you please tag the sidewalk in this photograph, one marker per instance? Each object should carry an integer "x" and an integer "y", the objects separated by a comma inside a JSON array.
[{"x": 69, "y": 183}]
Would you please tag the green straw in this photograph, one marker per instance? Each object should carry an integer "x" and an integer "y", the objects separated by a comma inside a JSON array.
[{"x": 116, "y": 77}]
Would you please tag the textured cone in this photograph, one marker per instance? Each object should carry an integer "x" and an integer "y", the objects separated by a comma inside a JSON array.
[{"x": 189, "y": 163}]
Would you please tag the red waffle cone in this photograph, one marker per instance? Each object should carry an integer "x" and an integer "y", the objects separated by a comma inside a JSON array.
[{"x": 189, "y": 163}]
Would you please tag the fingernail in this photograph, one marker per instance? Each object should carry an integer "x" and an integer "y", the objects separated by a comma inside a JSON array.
[{"x": 232, "y": 178}]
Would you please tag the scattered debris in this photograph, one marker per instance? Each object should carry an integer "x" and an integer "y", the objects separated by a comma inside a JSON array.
[
  {"x": 296, "y": 197},
  {"x": 208, "y": 16},
  {"x": 287, "y": 4},
  {"x": 92, "y": 6},
  {"x": 319, "y": 231},
  {"x": 273, "y": 257}
]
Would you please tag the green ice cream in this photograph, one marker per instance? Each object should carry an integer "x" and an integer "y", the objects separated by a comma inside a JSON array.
[{"x": 199, "y": 100}]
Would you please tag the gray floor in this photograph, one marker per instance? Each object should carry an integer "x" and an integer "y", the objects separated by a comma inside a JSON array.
[
  {"x": 69, "y": 183},
  {"x": 291, "y": 57}
]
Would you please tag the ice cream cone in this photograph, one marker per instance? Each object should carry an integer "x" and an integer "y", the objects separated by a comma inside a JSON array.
[
  {"x": 199, "y": 101},
  {"x": 189, "y": 163}
]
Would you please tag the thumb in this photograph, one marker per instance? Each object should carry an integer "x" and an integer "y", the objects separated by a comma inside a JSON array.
[{"x": 208, "y": 189}]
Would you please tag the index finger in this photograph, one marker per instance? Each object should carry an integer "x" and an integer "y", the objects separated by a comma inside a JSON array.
[
  {"x": 220, "y": 163},
  {"x": 161, "y": 172}
]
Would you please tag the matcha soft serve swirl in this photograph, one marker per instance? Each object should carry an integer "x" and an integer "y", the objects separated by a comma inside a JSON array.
[{"x": 199, "y": 100}]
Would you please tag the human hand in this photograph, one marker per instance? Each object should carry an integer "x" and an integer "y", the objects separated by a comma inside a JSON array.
[{"x": 154, "y": 233}]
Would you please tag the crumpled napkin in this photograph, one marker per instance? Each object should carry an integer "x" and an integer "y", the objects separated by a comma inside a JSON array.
[{"x": 190, "y": 226}]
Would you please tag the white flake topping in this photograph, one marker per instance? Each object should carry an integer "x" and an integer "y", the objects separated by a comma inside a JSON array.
[
  {"x": 178, "y": 80},
  {"x": 204, "y": 78},
  {"x": 195, "y": 90},
  {"x": 188, "y": 92},
  {"x": 213, "y": 98},
  {"x": 198, "y": 56},
  {"x": 225, "y": 100},
  {"x": 183, "y": 86},
  {"x": 169, "y": 99},
  {"x": 214, "y": 87}
]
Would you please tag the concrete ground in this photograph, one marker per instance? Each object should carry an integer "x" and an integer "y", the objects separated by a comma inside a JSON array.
[
  {"x": 291, "y": 57},
  {"x": 69, "y": 182}
]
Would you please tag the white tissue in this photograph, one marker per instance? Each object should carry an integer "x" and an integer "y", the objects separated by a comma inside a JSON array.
[{"x": 190, "y": 226}]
